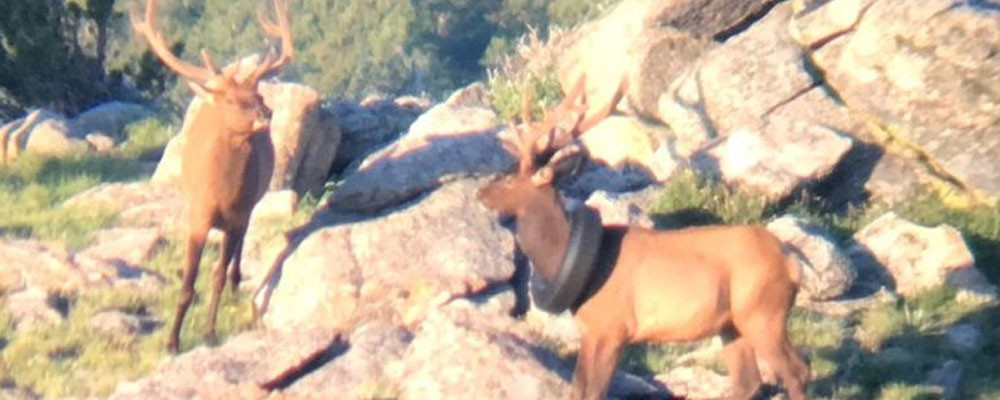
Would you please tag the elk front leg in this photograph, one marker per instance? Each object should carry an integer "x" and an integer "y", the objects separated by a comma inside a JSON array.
[
  {"x": 595, "y": 365},
  {"x": 229, "y": 246},
  {"x": 196, "y": 243}
]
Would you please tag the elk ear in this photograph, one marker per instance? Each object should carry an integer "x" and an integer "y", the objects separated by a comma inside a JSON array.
[
  {"x": 564, "y": 161},
  {"x": 202, "y": 92}
]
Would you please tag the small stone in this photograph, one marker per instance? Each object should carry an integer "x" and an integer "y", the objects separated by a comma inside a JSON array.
[
  {"x": 101, "y": 143},
  {"x": 949, "y": 377},
  {"x": 965, "y": 337},
  {"x": 115, "y": 324}
]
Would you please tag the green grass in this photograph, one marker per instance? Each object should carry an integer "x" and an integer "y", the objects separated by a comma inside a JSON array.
[
  {"x": 101, "y": 362},
  {"x": 507, "y": 93},
  {"x": 147, "y": 138}
]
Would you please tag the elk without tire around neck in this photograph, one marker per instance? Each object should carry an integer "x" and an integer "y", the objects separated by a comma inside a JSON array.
[
  {"x": 649, "y": 285},
  {"x": 227, "y": 159}
]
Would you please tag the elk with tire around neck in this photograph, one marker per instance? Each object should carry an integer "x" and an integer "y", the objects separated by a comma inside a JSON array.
[
  {"x": 632, "y": 285},
  {"x": 227, "y": 159}
]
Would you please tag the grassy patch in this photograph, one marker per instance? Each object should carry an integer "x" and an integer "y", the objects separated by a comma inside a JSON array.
[
  {"x": 147, "y": 138},
  {"x": 686, "y": 200},
  {"x": 33, "y": 187},
  {"x": 71, "y": 359},
  {"x": 507, "y": 93}
]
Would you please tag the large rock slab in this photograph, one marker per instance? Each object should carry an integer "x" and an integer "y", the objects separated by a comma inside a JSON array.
[
  {"x": 776, "y": 160},
  {"x": 752, "y": 74},
  {"x": 362, "y": 371},
  {"x": 604, "y": 51},
  {"x": 451, "y": 140},
  {"x": 399, "y": 266},
  {"x": 826, "y": 271},
  {"x": 130, "y": 246},
  {"x": 925, "y": 71},
  {"x": 41, "y": 132},
  {"x": 458, "y": 353},
  {"x": 141, "y": 204},
  {"x": 109, "y": 119},
  {"x": 318, "y": 284},
  {"x": 920, "y": 258},
  {"x": 28, "y": 263},
  {"x": 659, "y": 57},
  {"x": 261, "y": 358},
  {"x": 619, "y": 141},
  {"x": 305, "y": 137},
  {"x": 371, "y": 124}
]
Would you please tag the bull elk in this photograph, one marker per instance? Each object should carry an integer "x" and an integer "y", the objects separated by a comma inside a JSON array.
[
  {"x": 628, "y": 284},
  {"x": 228, "y": 157}
]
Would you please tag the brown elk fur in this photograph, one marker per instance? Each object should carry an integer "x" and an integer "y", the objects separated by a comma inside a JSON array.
[
  {"x": 227, "y": 159},
  {"x": 679, "y": 285}
]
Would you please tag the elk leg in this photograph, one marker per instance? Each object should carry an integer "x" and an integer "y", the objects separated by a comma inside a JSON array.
[
  {"x": 799, "y": 367},
  {"x": 219, "y": 282},
  {"x": 595, "y": 365},
  {"x": 235, "y": 274},
  {"x": 196, "y": 243},
  {"x": 769, "y": 338},
  {"x": 742, "y": 366}
]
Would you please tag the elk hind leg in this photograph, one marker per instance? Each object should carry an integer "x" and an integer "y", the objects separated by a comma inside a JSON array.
[
  {"x": 219, "y": 282},
  {"x": 741, "y": 363},
  {"x": 769, "y": 339}
]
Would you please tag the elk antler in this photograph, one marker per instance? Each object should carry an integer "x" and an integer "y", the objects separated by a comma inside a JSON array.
[
  {"x": 279, "y": 28},
  {"x": 146, "y": 28},
  {"x": 526, "y": 141}
]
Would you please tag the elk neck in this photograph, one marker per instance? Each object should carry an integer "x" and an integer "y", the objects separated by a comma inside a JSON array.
[{"x": 543, "y": 232}]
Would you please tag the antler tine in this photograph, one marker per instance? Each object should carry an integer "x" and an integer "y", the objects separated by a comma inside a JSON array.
[
  {"x": 279, "y": 28},
  {"x": 208, "y": 62},
  {"x": 584, "y": 125},
  {"x": 552, "y": 118},
  {"x": 157, "y": 44}
]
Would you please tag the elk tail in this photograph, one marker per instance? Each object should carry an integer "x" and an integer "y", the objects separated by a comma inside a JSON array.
[{"x": 795, "y": 260}]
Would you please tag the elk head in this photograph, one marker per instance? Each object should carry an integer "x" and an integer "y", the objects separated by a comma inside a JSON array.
[
  {"x": 528, "y": 185},
  {"x": 239, "y": 108}
]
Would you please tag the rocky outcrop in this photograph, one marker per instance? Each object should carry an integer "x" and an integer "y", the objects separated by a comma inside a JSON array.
[
  {"x": 264, "y": 359},
  {"x": 620, "y": 141},
  {"x": 372, "y": 124},
  {"x": 362, "y": 370},
  {"x": 109, "y": 119},
  {"x": 305, "y": 137},
  {"x": 455, "y": 139},
  {"x": 826, "y": 271},
  {"x": 41, "y": 132},
  {"x": 623, "y": 208},
  {"x": 922, "y": 71},
  {"x": 468, "y": 355},
  {"x": 776, "y": 160},
  {"x": 49, "y": 133},
  {"x": 919, "y": 258},
  {"x": 605, "y": 51},
  {"x": 444, "y": 246}
]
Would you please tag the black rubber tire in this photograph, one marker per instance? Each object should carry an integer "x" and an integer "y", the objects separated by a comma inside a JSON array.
[{"x": 577, "y": 266}]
